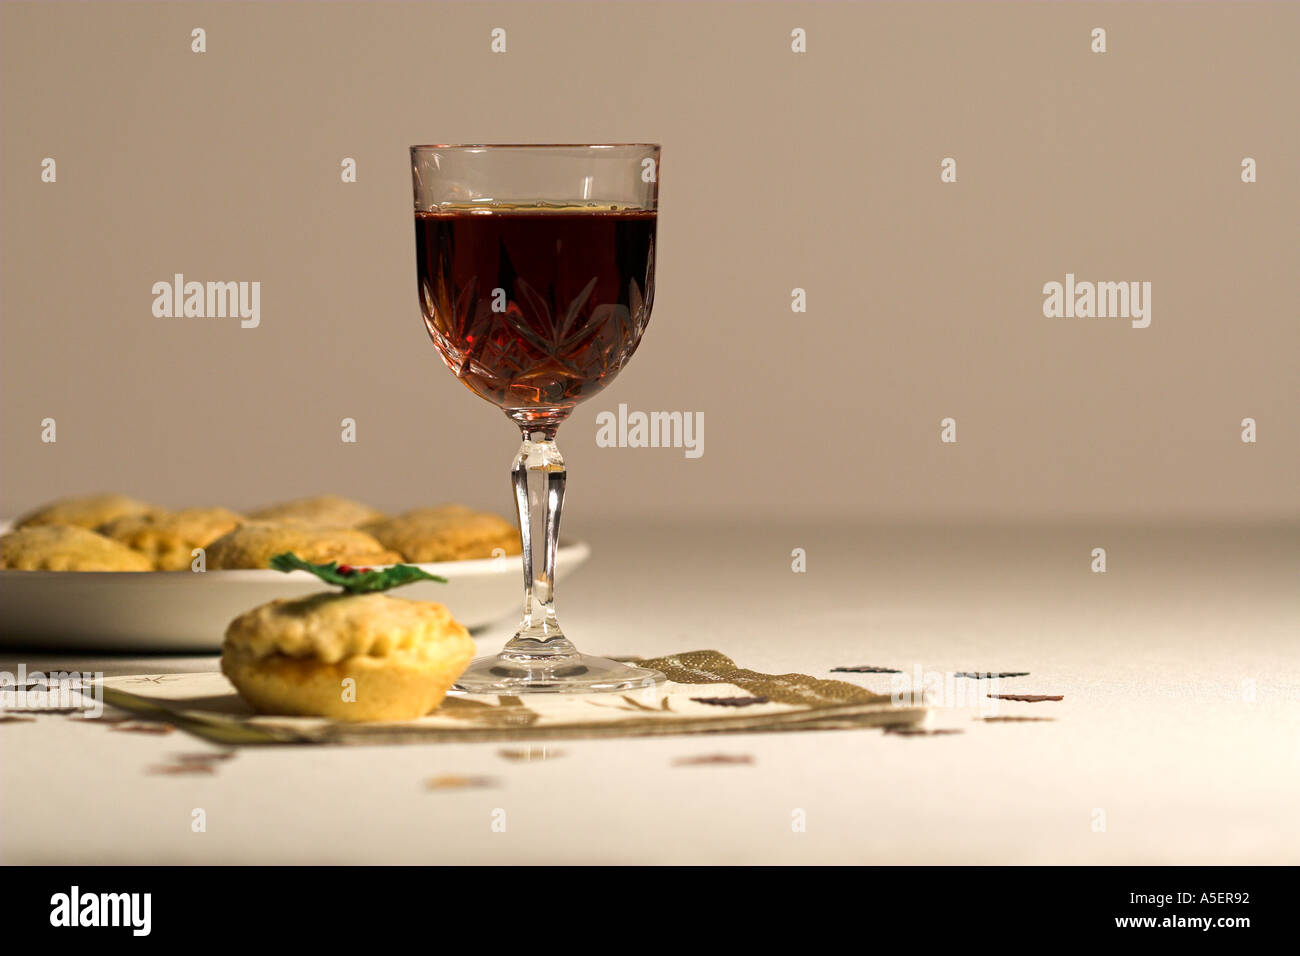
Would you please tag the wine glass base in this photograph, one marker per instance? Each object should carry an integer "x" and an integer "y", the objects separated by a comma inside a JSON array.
[{"x": 570, "y": 674}]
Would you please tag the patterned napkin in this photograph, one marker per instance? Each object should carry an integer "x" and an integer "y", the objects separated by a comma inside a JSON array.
[{"x": 705, "y": 693}]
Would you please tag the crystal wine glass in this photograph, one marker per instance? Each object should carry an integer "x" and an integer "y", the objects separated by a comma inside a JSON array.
[{"x": 536, "y": 268}]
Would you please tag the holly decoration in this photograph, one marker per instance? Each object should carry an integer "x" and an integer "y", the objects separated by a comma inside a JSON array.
[{"x": 355, "y": 580}]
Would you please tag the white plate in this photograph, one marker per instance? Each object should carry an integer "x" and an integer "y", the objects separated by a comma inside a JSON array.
[{"x": 185, "y": 611}]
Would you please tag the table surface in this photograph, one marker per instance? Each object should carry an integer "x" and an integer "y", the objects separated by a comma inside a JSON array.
[{"x": 1178, "y": 739}]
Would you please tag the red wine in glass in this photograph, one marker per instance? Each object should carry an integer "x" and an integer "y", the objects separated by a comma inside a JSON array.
[{"x": 536, "y": 307}]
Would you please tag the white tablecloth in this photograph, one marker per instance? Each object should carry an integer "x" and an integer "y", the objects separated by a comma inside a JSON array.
[{"x": 1176, "y": 741}]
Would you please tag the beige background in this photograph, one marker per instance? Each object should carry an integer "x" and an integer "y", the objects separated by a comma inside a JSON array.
[{"x": 819, "y": 171}]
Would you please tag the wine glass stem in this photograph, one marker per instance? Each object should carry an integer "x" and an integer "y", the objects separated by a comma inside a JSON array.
[{"x": 538, "y": 477}]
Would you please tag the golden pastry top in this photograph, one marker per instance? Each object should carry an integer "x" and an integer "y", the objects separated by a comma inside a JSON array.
[
  {"x": 59, "y": 547},
  {"x": 331, "y": 627},
  {"x": 253, "y": 544},
  {"x": 320, "y": 510},
  {"x": 84, "y": 511}
]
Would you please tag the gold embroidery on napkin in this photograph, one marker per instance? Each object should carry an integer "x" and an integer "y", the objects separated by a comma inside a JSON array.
[{"x": 710, "y": 667}]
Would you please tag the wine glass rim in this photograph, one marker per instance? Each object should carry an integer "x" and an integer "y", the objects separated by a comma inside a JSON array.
[{"x": 535, "y": 146}]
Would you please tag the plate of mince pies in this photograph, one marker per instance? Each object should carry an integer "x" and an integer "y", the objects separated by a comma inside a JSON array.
[{"x": 109, "y": 572}]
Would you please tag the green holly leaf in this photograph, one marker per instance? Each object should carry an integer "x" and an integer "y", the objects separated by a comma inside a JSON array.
[{"x": 355, "y": 580}]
